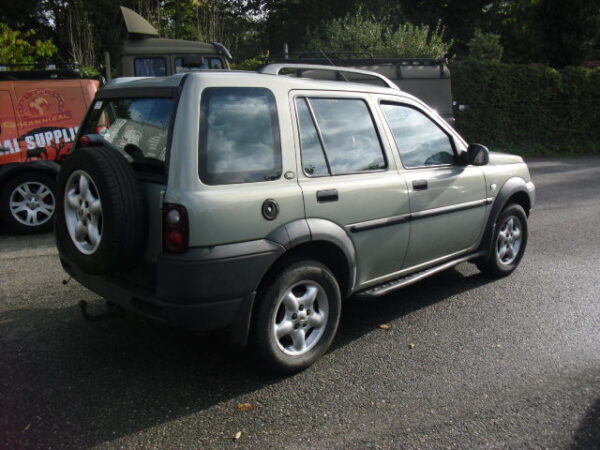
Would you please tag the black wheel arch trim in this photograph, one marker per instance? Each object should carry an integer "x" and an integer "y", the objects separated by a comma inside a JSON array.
[
  {"x": 9, "y": 170},
  {"x": 301, "y": 231},
  {"x": 511, "y": 187}
]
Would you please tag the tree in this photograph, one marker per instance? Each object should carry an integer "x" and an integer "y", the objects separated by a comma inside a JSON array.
[
  {"x": 569, "y": 28},
  {"x": 26, "y": 15},
  {"x": 485, "y": 47},
  {"x": 360, "y": 33},
  {"x": 459, "y": 17},
  {"x": 17, "y": 47}
]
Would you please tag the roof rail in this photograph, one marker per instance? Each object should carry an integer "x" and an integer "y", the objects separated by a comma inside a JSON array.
[{"x": 274, "y": 69}]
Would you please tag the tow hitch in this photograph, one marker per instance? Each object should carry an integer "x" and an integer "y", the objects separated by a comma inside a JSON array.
[{"x": 110, "y": 312}]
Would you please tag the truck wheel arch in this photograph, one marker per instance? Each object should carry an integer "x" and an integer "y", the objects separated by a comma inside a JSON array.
[{"x": 9, "y": 170}]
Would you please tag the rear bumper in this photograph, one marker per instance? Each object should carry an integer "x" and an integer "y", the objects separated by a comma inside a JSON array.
[{"x": 202, "y": 289}]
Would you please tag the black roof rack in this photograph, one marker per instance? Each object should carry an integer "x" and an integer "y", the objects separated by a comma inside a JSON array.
[
  {"x": 38, "y": 71},
  {"x": 351, "y": 59}
]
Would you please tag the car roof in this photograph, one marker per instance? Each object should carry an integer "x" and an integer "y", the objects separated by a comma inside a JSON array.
[{"x": 152, "y": 46}]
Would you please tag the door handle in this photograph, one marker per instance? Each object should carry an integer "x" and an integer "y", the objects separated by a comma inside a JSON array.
[
  {"x": 328, "y": 195},
  {"x": 419, "y": 185}
]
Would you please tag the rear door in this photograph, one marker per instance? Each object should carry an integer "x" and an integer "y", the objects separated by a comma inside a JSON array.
[
  {"x": 348, "y": 177},
  {"x": 447, "y": 199},
  {"x": 139, "y": 127}
]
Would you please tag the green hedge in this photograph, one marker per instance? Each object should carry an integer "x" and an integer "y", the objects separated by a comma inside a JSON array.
[{"x": 529, "y": 110}]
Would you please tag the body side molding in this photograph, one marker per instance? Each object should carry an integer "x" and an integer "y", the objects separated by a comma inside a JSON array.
[{"x": 394, "y": 220}]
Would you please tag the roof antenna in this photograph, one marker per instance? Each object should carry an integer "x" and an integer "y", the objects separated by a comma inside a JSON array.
[{"x": 331, "y": 62}]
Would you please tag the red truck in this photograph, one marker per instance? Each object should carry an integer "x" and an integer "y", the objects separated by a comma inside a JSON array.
[{"x": 40, "y": 112}]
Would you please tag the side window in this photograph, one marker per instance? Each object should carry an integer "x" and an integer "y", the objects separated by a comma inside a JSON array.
[
  {"x": 239, "y": 136},
  {"x": 349, "y": 136},
  {"x": 215, "y": 63},
  {"x": 313, "y": 157},
  {"x": 419, "y": 140},
  {"x": 150, "y": 67}
]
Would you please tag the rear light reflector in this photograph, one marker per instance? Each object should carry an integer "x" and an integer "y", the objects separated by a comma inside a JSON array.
[
  {"x": 175, "y": 228},
  {"x": 84, "y": 141}
]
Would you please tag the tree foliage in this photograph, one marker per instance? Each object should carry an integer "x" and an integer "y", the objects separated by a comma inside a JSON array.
[
  {"x": 528, "y": 109},
  {"x": 558, "y": 32},
  {"x": 568, "y": 30},
  {"x": 18, "y": 47},
  {"x": 365, "y": 33},
  {"x": 485, "y": 47}
]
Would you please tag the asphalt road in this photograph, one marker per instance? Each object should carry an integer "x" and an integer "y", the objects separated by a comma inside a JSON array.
[{"x": 511, "y": 363}]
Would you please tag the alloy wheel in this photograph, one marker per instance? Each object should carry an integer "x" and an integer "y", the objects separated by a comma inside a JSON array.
[
  {"x": 32, "y": 203},
  {"x": 83, "y": 212}
]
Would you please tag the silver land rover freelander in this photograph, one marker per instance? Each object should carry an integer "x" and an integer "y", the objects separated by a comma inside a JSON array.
[{"x": 257, "y": 202}]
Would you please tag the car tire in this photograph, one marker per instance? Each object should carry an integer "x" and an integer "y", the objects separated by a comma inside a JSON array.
[
  {"x": 28, "y": 202},
  {"x": 101, "y": 221},
  {"x": 297, "y": 316},
  {"x": 508, "y": 242}
]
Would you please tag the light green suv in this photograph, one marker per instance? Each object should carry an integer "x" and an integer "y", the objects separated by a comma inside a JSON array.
[{"x": 257, "y": 202}]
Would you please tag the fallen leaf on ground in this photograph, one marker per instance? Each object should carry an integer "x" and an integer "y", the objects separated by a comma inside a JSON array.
[
  {"x": 385, "y": 326},
  {"x": 245, "y": 407},
  {"x": 411, "y": 345},
  {"x": 26, "y": 428},
  {"x": 237, "y": 436}
]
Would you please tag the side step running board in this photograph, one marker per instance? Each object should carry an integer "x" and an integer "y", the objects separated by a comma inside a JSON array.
[{"x": 391, "y": 286}]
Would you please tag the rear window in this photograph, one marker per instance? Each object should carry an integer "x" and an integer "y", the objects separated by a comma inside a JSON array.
[
  {"x": 239, "y": 136},
  {"x": 210, "y": 62},
  {"x": 138, "y": 127}
]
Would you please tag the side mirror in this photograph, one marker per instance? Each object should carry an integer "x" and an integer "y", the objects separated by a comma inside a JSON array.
[{"x": 478, "y": 154}]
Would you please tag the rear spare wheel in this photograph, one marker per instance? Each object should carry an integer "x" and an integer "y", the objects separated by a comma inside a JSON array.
[{"x": 101, "y": 221}]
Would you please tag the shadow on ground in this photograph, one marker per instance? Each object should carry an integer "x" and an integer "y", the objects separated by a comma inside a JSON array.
[
  {"x": 587, "y": 435},
  {"x": 69, "y": 383}
]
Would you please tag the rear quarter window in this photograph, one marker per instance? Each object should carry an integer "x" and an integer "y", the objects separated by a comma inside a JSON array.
[
  {"x": 150, "y": 67},
  {"x": 239, "y": 136}
]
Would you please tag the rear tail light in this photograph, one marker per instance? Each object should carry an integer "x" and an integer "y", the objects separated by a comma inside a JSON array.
[
  {"x": 175, "y": 228},
  {"x": 85, "y": 141},
  {"x": 88, "y": 140}
]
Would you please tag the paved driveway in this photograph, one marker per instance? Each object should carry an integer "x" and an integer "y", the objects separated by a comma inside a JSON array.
[{"x": 509, "y": 363}]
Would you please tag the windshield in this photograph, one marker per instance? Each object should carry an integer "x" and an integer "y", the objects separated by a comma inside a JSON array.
[{"x": 138, "y": 127}]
